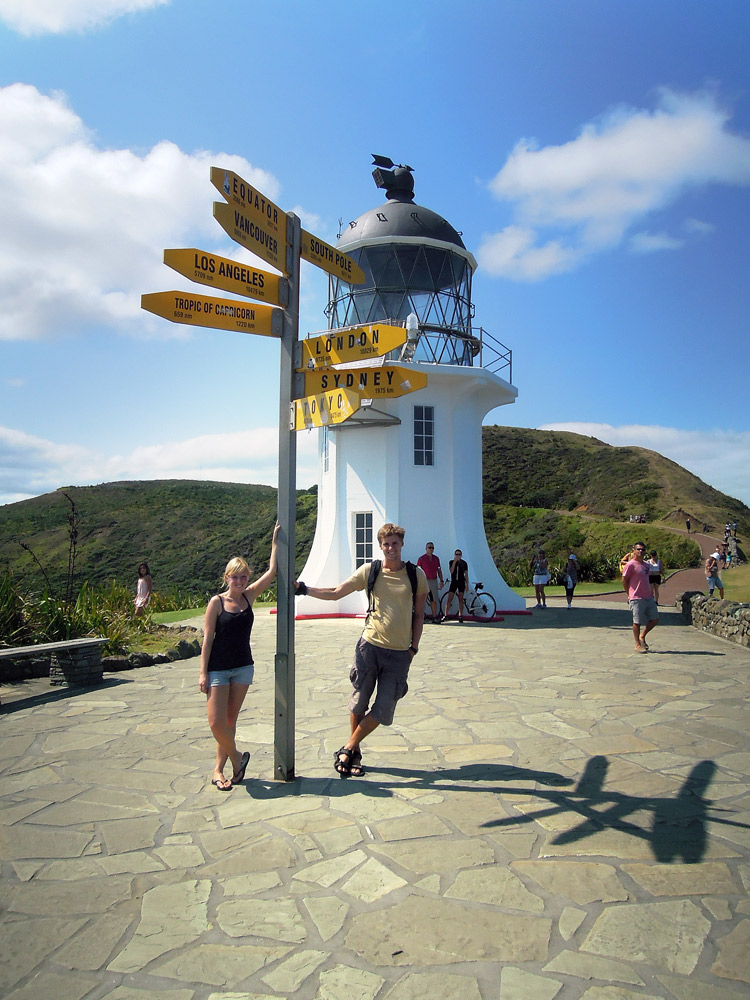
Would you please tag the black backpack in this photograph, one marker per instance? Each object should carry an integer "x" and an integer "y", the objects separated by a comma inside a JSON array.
[{"x": 375, "y": 567}]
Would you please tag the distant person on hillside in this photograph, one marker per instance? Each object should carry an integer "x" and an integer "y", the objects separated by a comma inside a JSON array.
[
  {"x": 143, "y": 589},
  {"x": 540, "y": 565},
  {"x": 227, "y": 661},
  {"x": 734, "y": 529},
  {"x": 687, "y": 524},
  {"x": 642, "y": 604},
  {"x": 570, "y": 578},
  {"x": 729, "y": 559},
  {"x": 712, "y": 575},
  {"x": 459, "y": 571},
  {"x": 655, "y": 573},
  {"x": 430, "y": 563}
]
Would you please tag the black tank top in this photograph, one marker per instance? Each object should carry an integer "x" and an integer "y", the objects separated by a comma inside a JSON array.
[{"x": 231, "y": 645}]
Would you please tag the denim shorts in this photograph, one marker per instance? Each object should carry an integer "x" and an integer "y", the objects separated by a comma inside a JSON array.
[
  {"x": 237, "y": 675},
  {"x": 386, "y": 668}
]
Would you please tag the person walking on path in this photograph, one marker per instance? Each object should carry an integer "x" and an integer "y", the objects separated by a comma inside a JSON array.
[
  {"x": 570, "y": 574},
  {"x": 687, "y": 524},
  {"x": 655, "y": 574},
  {"x": 636, "y": 584},
  {"x": 227, "y": 669},
  {"x": 144, "y": 589},
  {"x": 712, "y": 575},
  {"x": 430, "y": 563},
  {"x": 540, "y": 565},
  {"x": 388, "y": 644},
  {"x": 459, "y": 570}
]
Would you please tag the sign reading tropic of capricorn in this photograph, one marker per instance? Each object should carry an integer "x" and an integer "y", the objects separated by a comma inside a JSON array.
[{"x": 221, "y": 314}]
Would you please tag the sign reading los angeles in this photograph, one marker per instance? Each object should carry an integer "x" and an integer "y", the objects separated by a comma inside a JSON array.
[
  {"x": 330, "y": 259},
  {"x": 221, "y": 314},
  {"x": 389, "y": 381},
  {"x": 323, "y": 409},
  {"x": 229, "y": 275},
  {"x": 340, "y": 347}
]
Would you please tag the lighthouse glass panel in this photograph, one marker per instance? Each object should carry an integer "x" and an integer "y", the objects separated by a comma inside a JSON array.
[
  {"x": 424, "y": 435},
  {"x": 403, "y": 278},
  {"x": 362, "y": 538}
]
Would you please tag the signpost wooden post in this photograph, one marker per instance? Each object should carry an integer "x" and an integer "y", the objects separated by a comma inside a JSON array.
[{"x": 256, "y": 223}]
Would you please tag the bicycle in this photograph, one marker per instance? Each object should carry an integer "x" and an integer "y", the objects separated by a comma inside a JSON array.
[{"x": 478, "y": 604}]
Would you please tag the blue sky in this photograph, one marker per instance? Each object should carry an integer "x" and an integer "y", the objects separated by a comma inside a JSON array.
[{"x": 595, "y": 155}]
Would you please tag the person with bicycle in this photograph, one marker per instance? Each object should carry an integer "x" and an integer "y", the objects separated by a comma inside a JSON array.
[
  {"x": 459, "y": 571},
  {"x": 388, "y": 644}
]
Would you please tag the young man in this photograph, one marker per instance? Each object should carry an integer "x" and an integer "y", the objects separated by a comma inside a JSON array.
[
  {"x": 635, "y": 581},
  {"x": 430, "y": 563},
  {"x": 388, "y": 644},
  {"x": 712, "y": 575}
]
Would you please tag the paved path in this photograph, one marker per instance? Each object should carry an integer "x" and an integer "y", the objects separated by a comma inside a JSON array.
[{"x": 551, "y": 815}]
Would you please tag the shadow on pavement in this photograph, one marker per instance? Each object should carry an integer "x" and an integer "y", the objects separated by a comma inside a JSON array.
[{"x": 25, "y": 694}]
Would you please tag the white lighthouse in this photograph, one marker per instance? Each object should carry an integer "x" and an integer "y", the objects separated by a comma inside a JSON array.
[{"x": 415, "y": 460}]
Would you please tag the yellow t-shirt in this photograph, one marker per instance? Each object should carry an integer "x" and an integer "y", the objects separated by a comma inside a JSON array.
[{"x": 389, "y": 625}]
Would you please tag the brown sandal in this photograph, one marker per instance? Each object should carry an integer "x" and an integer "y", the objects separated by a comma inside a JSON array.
[{"x": 342, "y": 761}]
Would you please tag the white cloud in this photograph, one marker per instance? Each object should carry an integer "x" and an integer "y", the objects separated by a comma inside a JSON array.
[
  {"x": 84, "y": 227},
  {"x": 653, "y": 242},
  {"x": 582, "y": 197},
  {"x": 718, "y": 457},
  {"x": 42, "y": 17},
  {"x": 30, "y": 466}
]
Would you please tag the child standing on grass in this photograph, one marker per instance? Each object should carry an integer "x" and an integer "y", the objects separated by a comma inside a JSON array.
[
  {"x": 143, "y": 589},
  {"x": 227, "y": 667}
]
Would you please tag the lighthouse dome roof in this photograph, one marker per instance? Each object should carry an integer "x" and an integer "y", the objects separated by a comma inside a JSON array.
[{"x": 399, "y": 219}]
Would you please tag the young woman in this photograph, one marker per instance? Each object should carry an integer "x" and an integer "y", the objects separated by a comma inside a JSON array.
[
  {"x": 227, "y": 661},
  {"x": 540, "y": 565},
  {"x": 143, "y": 589},
  {"x": 655, "y": 573}
]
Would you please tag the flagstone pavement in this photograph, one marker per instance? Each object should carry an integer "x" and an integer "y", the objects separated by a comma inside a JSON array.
[{"x": 551, "y": 816}]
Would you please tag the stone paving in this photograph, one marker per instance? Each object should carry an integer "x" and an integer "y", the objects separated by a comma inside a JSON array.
[{"x": 551, "y": 816}]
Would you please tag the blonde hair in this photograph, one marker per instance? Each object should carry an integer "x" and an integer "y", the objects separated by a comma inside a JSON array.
[
  {"x": 390, "y": 529},
  {"x": 235, "y": 567}
]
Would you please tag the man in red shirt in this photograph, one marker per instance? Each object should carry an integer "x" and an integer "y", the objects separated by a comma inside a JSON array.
[
  {"x": 636, "y": 583},
  {"x": 430, "y": 563}
]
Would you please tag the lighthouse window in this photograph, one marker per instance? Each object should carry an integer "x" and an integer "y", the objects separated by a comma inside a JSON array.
[
  {"x": 424, "y": 435},
  {"x": 362, "y": 538}
]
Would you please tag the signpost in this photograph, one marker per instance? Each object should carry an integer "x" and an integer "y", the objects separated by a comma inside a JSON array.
[
  {"x": 386, "y": 382},
  {"x": 340, "y": 347},
  {"x": 229, "y": 275},
  {"x": 221, "y": 314},
  {"x": 324, "y": 408},
  {"x": 256, "y": 223}
]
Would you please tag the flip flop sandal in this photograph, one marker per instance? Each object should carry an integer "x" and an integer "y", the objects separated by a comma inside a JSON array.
[
  {"x": 342, "y": 761},
  {"x": 219, "y": 782},
  {"x": 239, "y": 775},
  {"x": 357, "y": 768}
]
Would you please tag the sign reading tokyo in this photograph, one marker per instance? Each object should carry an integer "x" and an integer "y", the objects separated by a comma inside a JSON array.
[
  {"x": 255, "y": 236},
  {"x": 220, "y": 314},
  {"x": 323, "y": 409},
  {"x": 330, "y": 259},
  {"x": 229, "y": 275},
  {"x": 390, "y": 381},
  {"x": 344, "y": 346},
  {"x": 241, "y": 194}
]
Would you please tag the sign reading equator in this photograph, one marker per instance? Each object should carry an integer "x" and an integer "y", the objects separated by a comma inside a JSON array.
[
  {"x": 220, "y": 314},
  {"x": 242, "y": 194},
  {"x": 339, "y": 347}
]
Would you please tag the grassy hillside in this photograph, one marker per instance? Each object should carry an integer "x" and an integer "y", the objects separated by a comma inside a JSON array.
[{"x": 559, "y": 490}]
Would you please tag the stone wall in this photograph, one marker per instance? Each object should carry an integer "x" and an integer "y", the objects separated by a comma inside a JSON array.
[{"x": 727, "y": 619}]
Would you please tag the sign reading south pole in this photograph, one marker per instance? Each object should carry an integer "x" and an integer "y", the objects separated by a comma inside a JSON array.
[
  {"x": 323, "y": 409},
  {"x": 341, "y": 347},
  {"x": 220, "y": 314},
  {"x": 339, "y": 264},
  {"x": 389, "y": 381},
  {"x": 229, "y": 275}
]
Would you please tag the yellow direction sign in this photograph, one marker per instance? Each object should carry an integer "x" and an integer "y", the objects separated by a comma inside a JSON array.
[
  {"x": 330, "y": 259},
  {"x": 341, "y": 347},
  {"x": 254, "y": 204},
  {"x": 229, "y": 275},
  {"x": 387, "y": 382},
  {"x": 221, "y": 314},
  {"x": 255, "y": 236},
  {"x": 323, "y": 409}
]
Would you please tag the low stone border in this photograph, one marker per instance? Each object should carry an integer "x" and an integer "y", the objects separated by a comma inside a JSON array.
[{"x": 727, "y": 619}]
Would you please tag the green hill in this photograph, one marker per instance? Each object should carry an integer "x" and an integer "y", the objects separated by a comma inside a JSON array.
[{"x": 563, "y": 491}]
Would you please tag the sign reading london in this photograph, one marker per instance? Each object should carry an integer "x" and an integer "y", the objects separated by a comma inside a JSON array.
[
  {"x": 229, "y": 275},
  {"x": 221, "y": 314},
  {"x": 323, "y": 409},
  {"x": 344, "y": 346},
  {"x": 389, "y": 381}
]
